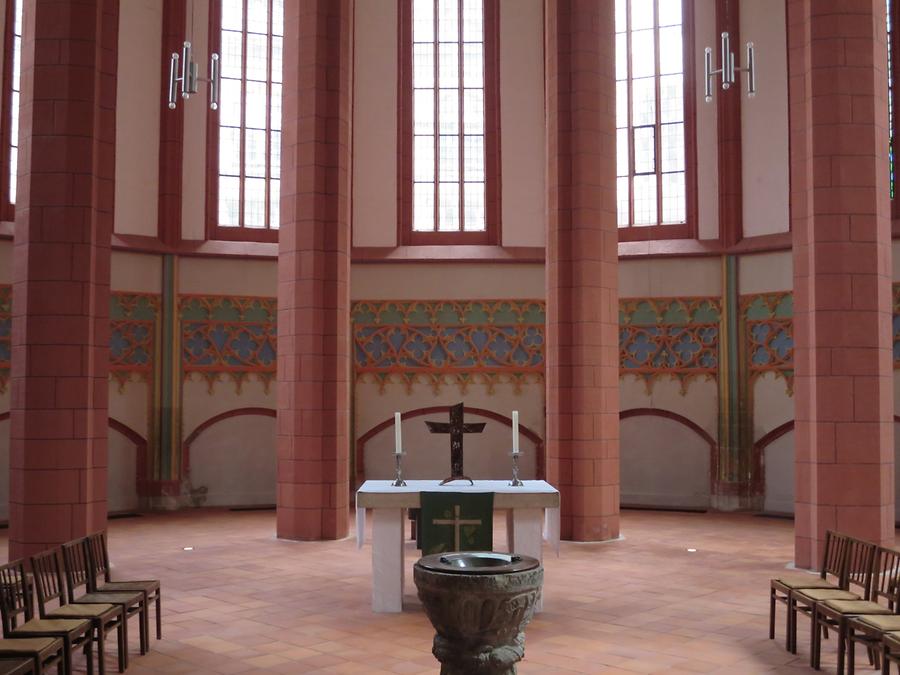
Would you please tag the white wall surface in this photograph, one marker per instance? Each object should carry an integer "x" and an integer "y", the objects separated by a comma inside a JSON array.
[
  {"x": 121, "y": 474},
  {"x": 778, "y": 462}
]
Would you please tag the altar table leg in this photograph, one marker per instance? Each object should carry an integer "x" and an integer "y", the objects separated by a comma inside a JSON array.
[
  {"x": 387, "y": 560},
  {"x": 525, "y": 536}
]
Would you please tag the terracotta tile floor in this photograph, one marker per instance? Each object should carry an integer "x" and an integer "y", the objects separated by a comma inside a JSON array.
[{"x": 244, "y": 602}]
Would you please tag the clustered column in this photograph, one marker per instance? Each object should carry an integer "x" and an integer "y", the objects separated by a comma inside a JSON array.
[
  {"x": 61, "y": 267},
  {"x": 840, "y": 216},
  {"x": 582, "y": 263},
  {"x": 313, "y": 272}
]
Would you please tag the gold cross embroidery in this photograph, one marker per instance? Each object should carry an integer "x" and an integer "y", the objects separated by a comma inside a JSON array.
[{"x": 457, "y": 523}]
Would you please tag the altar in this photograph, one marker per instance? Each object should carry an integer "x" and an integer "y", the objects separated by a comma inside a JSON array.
[{"x": 533, "y": 515}]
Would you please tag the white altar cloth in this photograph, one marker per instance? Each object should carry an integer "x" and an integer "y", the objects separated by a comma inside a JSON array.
[{"x": 533, "y": 512}]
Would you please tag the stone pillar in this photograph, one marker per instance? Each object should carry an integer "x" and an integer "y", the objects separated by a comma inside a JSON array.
[
  {"x": 314, "y": 271},
  {"x": 840, "y": 215},
  {"x": 582, "y": 268},
  {"x": 61, "y": 261}
]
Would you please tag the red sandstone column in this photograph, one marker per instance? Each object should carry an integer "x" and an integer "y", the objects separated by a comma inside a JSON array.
[
  {"x": 61, "y": 258},
  {"x": 314, "y": 271},
  {"x": 840, "y": 215},
  {"x": 582, "y": 263}
]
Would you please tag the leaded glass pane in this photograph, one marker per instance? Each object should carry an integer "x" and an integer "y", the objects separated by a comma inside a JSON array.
[
  {"x": 473, "y": 194},
  {"x": 645, "y": 200},
  {"x": 448, "y": 207},
  {"x": 255, "y": 202},
  {"x": 423, "y": 207},
  {"x": 674, "y": 198},
  {"x": 229, "y": 201}
]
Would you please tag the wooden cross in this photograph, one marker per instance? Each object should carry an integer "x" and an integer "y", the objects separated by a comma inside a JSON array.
[
  {"x": 456, "y": 429},
  {"x": 457, "y": 523}
]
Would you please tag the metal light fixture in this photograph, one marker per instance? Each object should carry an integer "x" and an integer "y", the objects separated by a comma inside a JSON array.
[
  {"x": 729, "y": 69},
  {"x": 189, "y": 77}
]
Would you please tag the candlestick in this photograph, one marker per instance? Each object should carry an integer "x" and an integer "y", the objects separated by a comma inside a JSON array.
[
  {"x": 399, "y": 467},
  {"x": 515, "y": 431},
  {"x": 398, "y": 442},
  {"x": 515, "y": 482}
]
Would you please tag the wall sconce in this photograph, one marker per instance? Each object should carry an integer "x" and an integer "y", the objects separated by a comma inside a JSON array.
[{"x": 728, "y": 68}]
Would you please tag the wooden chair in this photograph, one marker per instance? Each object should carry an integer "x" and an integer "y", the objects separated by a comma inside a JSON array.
[
  {"x": 868, "y": 629},
  {"x": 49, "y": 584},
  {"x": 16, "y": 604},
  {"x": 830, "y": 577},
  {"x": 16, "y": 666},
  {"x": 890, "y": 651},
  {"x": 836, "y": 612},
  {"x": 99, "y": 555},
  {"x": 855, "y": 576},
  {"x": 80, "y": 589},
  {"x": 39, "y": 653}
]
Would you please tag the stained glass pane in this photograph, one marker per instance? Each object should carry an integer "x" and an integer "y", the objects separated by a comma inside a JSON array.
[
  {"x": 255, "y": 202},
  {"x": 473, "y": 21},
  {"x": 448, "y": 112},
  {"x": 423, "y": 207},
  {"x": 274, "y": 204},
  {"x": 232, "y": 15},
  {"x": 423, "y": 111},
  {"x": 448, "y": 159},
  {"x": 473, "y": 112},
  {"x": 671, "y": 52},
  {"x": 448, "y": 65},
  {"x": 643, "y": 54},
  {"x": 256, "y": 105},
  {"x": 645, "y": 150},
  {"x": 623, "y": 201},
  {"x": 645, "y": 200},
  {"x": 643, "y": 103},
  {"x": 258, "y": 16},
  {"x": 473, "y": 209},
  {"x": 257, "y": 57},
  {"x": 423, "y": 21},
  {"x": 255, "y": 153},
  {"x": 232, "y": 54},
  {"x": 674, "y": 198},
  {"x": 423, "y": 158},
  {"x": 473, "y": 158},
  {"x": 671, "y": 137},
  {"x": 448, "y": 21},
  {"x": 448, "y": 206},
  {"x": 229, "y": 201},
  {"x": 473, "y": 65},
  {"x": 642, "y": 14},
  {"x": 230, "y": 151},
  {"x": 423, "y": 66}
]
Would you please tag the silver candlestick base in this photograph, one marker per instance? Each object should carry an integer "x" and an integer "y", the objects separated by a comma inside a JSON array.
[
  {"x": 515, "y": 482},
  {"x": 399, "y": 462}
]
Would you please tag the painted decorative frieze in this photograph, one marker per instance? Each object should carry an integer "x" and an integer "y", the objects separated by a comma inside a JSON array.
[
  {"x": 228, "y": 337},
  {"x": 132, "y": 336},
  {"x": 669, "y": 337},
  {"x": 5, "y": 335},
  {"x": 449, "y": 342},
  {"x": 769, "y": 335}
]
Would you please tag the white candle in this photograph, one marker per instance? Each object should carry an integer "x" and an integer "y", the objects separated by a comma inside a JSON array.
[
  {"x": 398, "y": 445},
  {"x": 515, "y": 431}
]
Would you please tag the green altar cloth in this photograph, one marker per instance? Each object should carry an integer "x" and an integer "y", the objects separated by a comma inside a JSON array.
[{"x": 456, "y": 521}]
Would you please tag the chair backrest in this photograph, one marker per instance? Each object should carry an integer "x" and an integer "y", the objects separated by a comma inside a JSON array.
[
  {"x": 99, "y": 555},
  {"x": 48, "y": 579},
  {"x": 834, "y": 556},
  {"x": 886, "y": 577},
  {"x": 15, "y": 596},
  {"x": 77, "y": 563},
  {"x": 860, "y": 558}
]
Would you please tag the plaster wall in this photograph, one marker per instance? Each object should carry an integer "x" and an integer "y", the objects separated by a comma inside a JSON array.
[
  {"x": 6, "y": 251},
  {"x": 772, "y": 404},
  {"x": 226, "y": 276},
  {"x": 130, "y": 405},
  {"x": 764, "y": 119},
  {"x": 450, "y": 281},
  {"x": 375, "y": 123},
  {"x": 235, "y": 460},
  {"x": 698, "y": 403},
  {"x": 372, "y": 406},
  {"x": 121, "y": 484},
  {"x": 193, "y": 200},
  {"x": 135, "y": 272},
  {"x": 670, "y": 277},
  {"x": 707, "y": 127},
  {"x": 778, "y": 462},
  {"x": 663, "y": 463},
  {"x": 200, "y": 403},
  {"x": 138, "y": 107},
  {"x": 766, "y": 272}
]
